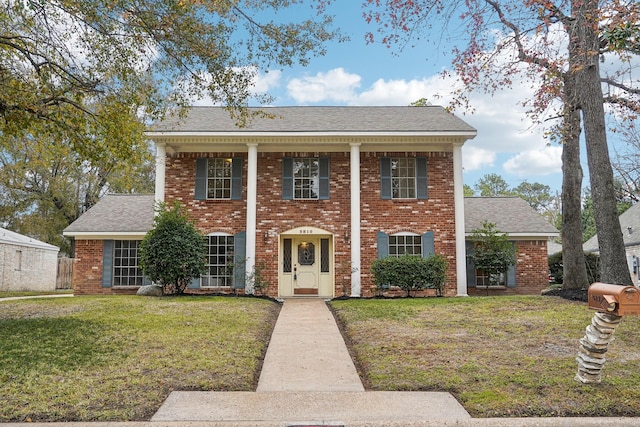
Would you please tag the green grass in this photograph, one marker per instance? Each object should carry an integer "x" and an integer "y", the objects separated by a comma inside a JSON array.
[
  {"x": 118, "y": 357},
  {"x": 500, "y": 356}
]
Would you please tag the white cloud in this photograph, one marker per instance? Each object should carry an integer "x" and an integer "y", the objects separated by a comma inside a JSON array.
[
  {"x": 545, "y": 161},
  {"x": 474, "y": 158},
  {"x": 336, "y": 85}
]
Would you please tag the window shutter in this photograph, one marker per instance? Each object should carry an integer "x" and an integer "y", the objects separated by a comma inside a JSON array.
[
  {"x": 239, "y": 259},
  {"x": 194, "y": 283},
  {"x": 287, "y": 178},
  {"x": 324, "y": 179},
  {"x": 471, "y": 268},
  {"x": 511, "y": 275},
  {"x": 236, "y": 178},
  {"x": 422, "y": 188},
  {"x": 385, "y": 178},
  {"x": 107, "y": 263},
  {"x": 428, "y": 247},
  {"x": 383, "y": 245},
  {"x": 200, "y": 192}
]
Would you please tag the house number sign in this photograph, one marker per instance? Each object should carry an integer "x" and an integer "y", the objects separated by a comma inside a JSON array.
[{"x": 306, "y": 231}]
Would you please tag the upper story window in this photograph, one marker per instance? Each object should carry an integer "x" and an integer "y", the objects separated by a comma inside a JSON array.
[
  {"x": 403, "y": 177},
  {"x": 218, "y": 179},
  {"x": 305, "y": 178}
]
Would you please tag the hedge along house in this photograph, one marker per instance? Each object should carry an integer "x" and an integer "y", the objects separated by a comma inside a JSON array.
[
  {"x": 309, "y": 198},
  {"x": 526, "y": 229}
]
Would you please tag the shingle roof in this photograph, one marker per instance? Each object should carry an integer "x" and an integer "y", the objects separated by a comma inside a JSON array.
[
  {"x": 13, "y": 238},
  {"x": 630, "y": 225},
  {"x": 321, "y": 119},
  {"x": 512, "y": 215},
  {"x": 117, "y": 213}
]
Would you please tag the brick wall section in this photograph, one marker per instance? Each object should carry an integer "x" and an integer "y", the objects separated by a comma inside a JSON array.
[
  {"x": 532, "y": 271},
  {"x": 275, "y": 216}
]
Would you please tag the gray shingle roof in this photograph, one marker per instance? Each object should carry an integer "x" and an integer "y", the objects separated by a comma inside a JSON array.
[
  {"x": 512, "y": 215},
  {"x": 17, "y": 239},
  {"x": 629, "y": 218},
  {"x": 117, "y": 213},
  {"x": 321, "y": 119}
]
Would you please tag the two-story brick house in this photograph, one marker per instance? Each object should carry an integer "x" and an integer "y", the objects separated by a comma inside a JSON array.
[{"x": 308, "y": 197}]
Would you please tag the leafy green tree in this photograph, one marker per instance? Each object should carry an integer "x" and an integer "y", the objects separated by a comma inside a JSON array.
[
  {"x": 78, "y": 69},
  {"x": 492, "y": 185},
  {"x": 173, "y": 252},
  {"x": 493, "y": 252},
  {"x": 45, "y": 185},
  {"x": 468, "y": 191}
]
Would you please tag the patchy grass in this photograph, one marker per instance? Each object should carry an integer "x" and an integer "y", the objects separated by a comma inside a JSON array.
[
  {"x": 118, "y": 357},
  {"x": 500, "y": 356}
]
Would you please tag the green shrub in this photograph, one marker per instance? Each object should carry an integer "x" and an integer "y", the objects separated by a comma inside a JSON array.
[
  {"x": 592, "y": 262},
  {"x": 173, "y": 252},
  {"x": 410, "y": 273}
]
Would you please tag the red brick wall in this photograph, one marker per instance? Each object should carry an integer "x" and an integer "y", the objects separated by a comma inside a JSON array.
[
  {"x": 532, "y": 270},
  {"x": 275, "y": 216}
]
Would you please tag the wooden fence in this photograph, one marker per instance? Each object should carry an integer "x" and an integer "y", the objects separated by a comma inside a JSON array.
[{"x": 65, "y": 272}]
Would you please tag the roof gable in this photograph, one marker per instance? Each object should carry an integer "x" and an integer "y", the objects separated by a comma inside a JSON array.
[
  {"x": 512, "y": 215},
  {"x": 630, "y": 226}
]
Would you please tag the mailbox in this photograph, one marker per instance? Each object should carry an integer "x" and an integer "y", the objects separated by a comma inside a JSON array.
[{"x": 614, "y": 299}]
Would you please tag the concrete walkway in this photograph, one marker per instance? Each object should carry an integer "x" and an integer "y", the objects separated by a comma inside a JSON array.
[{"x": 308, "y": 378}]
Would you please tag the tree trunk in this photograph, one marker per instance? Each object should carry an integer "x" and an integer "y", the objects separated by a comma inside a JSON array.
[
  {"x": 574, "y": 267},
  {"x": 613, "y": 263}
]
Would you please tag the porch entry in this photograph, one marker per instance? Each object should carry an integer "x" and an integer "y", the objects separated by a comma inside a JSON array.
[{"x": 306, "y": 263}]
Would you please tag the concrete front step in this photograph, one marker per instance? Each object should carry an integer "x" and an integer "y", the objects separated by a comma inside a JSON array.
[{"x": 309, "y": 408}]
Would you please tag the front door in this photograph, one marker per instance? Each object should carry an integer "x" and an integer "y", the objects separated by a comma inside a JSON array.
[
  {"x": 306, "y": 268},
  {"x": 306, "y": 265}
]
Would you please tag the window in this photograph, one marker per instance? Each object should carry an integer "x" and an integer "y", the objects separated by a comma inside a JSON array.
[
  {"x": 220, "y": 262},
  {"x": 405, "y": 244},
  {"x": 126, "y": 270},
  {"x": 399, "y": 244},
  {"x": 403, "y": 178},
  {"x": 218, "y": 179},
  {"x": 305, "y": 178},
  {"x": 18, "y": 262}
]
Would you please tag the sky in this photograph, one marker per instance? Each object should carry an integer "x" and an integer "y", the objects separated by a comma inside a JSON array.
[{"x": 355, "y": 73}]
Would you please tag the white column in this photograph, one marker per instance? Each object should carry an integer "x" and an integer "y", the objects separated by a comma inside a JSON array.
[
  {"x": 355, "y": 220},
  {"x": 458, "y": 196},
  {"x": 161, "y": 164},
  {"x": 252, "y": 199}
]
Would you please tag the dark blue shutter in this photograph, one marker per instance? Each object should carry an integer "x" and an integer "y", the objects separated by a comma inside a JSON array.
[
  {"x": 422, "y": 188},
  {"x": 383, "y": 245},
  {"x": 324, "y": 178},
  {"x": 471, "y": 268},
  {"x": 236, "y": 178},
  {"x": 107, "y": 263},
  {"x": 239, "y": 259},
  {"x": 511, "y": 275},
  {"x": 385, "y": 178},
  {"x": 201, "y": 179},
  {"x": 194, "y": 283},
  {"x": 287, "y": 178},
  {"x": 428, "y": 246}
]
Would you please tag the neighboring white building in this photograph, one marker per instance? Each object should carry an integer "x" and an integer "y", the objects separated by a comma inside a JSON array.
[
  {"x": 26, "y": 264},
  {"x": 630, "y": 224}
]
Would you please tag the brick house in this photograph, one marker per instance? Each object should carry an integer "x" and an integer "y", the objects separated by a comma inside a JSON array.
[{"x": 308, "y": 197}]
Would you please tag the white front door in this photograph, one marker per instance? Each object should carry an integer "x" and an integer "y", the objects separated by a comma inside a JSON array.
[{"x": 306, "y": 266}]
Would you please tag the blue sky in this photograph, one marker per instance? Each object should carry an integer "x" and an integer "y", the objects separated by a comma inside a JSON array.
[{"x": 355, "y": 73}]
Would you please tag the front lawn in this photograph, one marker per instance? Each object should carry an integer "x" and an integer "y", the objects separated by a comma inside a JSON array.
[
  {"x": 118, "y": 357},
  {"x": 499, "y": 356}
]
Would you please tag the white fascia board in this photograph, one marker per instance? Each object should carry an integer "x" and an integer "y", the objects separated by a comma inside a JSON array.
[
  {"x": 173, "y": 134},
  {"x": 105, "y": 235}
]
